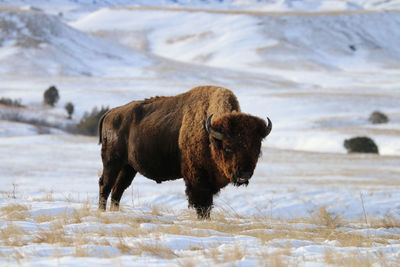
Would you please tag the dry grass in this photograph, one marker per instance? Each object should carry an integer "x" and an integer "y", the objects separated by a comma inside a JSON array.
[
  {"x": 15, "y": 212},
  {"x": 388, "y": 221},
  {"x": 353, "y": 259},
  {"x": 276, "y": 259},
  {"x": 327, "y": 219},
  {"x": 234, "y": 253},
  {"x": 11, "y": 235},
  {"x": 130, "y": 237},
  {"x": 124, "y": 247},
  {"x": 40, "y": 218},
  {"x": 13, "y": 208},
  {"x": 154, "y": 249},
  {"x": 54, "y": 234},
  {"x": 81, "y": 251},
  {"x": 49, "y": 197},
  {"x": 187, "y": 263},
  {"x": 16, "y": 255}
]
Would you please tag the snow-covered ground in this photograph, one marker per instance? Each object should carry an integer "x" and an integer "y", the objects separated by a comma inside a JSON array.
[{"x": 318, "y": 69}]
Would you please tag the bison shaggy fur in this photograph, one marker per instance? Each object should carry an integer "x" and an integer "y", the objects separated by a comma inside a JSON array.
[{"x": 200, "y": 136}]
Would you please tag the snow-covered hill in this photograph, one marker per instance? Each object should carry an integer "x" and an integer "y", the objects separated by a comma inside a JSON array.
[
  {"x": 259, "y": 43},
  {"x": 35, "y": 43}
]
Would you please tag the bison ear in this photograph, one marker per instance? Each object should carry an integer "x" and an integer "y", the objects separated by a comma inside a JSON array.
[{"x": 263, "y": 129}]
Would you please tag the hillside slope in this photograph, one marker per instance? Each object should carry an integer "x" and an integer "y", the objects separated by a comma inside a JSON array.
[
  {"x": 35, "y": 43},
  {"x": 258, "y": 43}
]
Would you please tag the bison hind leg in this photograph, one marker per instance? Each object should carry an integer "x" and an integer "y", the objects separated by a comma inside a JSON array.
[
  {"x": 106, "y": 183},
  {"x": 102, "y": 201},
  {"x": 124, "y": 180}
]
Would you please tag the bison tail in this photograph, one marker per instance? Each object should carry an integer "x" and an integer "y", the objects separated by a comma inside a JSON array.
[{"x": 101, "y": 127}]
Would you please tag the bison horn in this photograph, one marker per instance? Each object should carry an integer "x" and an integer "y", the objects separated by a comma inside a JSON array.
[
  {"x": 269, "y": 126},
  {"x": 217, "y": 135}
]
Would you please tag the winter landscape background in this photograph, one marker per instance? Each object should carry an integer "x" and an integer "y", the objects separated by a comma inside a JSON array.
[{"x": 318, "y": 69}]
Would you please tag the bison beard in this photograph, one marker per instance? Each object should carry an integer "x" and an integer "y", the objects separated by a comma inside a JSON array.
[{"x": 200, "y": 135}]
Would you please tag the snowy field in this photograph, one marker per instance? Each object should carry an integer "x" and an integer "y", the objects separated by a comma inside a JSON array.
[{"x": 317, "y": 69}]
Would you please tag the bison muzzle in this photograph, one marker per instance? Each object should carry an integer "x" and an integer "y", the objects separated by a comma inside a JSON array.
[{"x": 200, "y": 135}]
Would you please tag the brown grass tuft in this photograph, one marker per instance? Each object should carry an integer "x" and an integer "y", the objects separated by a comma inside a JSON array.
[
  {"x": 327, "y": 219},
  {"x": 388, "y": 221},
  {"x": 17, "y": 256},
  {"x": 187, "y": 263},
  {"x": 15, "y": 212},
  {"x": 41, "y": 218},
  {"x": 277, "y": 259},
  {"x": 124, "y": 248},
  {"x": 13, "y": 208},
  {"x": 329, "y": 256},
  {"x": 54, "y": 234},
  {"x": 234, "y": 253},
  {"x": 154, "y": 249},
  {"x": 11, "y": 235},
  {"x": 352, "y": 259},
  {"x": 81, "y": 251}
]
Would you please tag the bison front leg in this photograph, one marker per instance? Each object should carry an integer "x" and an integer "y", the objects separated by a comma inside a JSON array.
[
  {"x": 124, "y": 180},
  {"x": 200, "y": 198}
]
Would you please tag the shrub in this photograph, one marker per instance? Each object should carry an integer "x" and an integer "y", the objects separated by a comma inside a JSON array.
[
  {"x": 69, "y": 107},
  {"x": 89, "y": 123},
  {"x": 377, "y": 117},
  {"x": 361, "y": 145},
  {"x": 9, "y": 102},
  {"x": 51, "y": 96}
]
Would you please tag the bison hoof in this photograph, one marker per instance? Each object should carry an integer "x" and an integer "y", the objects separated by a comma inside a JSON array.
[
  {"x": 203, "y": 213},
  {"x": 114, "y": 206},
  {"x": 102, "y": 206}
]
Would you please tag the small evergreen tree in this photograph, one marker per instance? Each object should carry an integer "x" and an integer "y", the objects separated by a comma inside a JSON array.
[
  {"x": 69, "y": 107},
  {"x": 51, "y": 96},
  {"x": 89, "y": 123}
]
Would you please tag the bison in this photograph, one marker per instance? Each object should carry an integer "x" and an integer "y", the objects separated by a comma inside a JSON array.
[{"x": 200, "y": 135}]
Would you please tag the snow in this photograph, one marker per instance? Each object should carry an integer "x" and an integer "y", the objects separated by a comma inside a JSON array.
[
  {"x": 309, "y": 202},
  {"x": 45, "y": 38}
]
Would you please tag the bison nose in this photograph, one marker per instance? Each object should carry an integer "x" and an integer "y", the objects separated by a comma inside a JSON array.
[{"x": 246, "y": 174}]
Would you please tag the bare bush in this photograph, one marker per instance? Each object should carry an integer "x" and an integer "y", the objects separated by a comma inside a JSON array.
[
  {"x": 361, "y": 144},
  {"x": 378, "y": 117}
]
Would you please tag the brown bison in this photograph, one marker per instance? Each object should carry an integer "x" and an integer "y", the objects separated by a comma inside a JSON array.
[{"x": 200, "y": 135}]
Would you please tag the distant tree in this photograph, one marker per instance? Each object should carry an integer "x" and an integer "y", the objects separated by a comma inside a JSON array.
[
  {"x": 378, "y": 117},
  {"x": 360, "y": 144},
  {"x": 10, "y": 102},
  {"x": 69, "y": 107},
  {"x": 89, "y": 123},
  {"x": 51, "y": 96}
]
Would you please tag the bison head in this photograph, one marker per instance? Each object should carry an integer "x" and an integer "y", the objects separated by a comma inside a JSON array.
[{"x": 235, "y": 144}]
